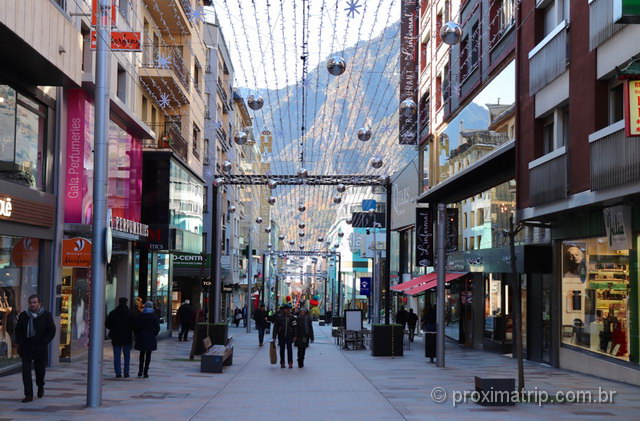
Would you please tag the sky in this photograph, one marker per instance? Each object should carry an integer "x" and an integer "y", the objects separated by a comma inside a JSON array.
[{"x": 502, "y": 87}]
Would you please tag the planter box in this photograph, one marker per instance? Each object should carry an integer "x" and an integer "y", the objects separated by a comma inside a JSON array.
[
  {"x": 387, "y": 341},
  {"x": 217, "y": 332},
  {"x": 495, "y": 392}
]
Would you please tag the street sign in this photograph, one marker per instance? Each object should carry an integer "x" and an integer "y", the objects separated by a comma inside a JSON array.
[
  {"x": 368, "y": 205},
  {"x": 365, "y": 285},
  {"x": 120, "y": 41}
]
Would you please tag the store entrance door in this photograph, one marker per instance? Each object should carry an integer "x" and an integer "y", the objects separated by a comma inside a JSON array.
[{"x": 539, "y": 317}]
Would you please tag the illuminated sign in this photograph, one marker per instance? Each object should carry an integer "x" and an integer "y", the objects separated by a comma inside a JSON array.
[
  {"x": 120, "y": 41},
  {"x": 130, "y": 227},
  {"x": 6, "y": 207},
  {"x": 76, "y": 252},
  {"x": 632, "y": 107}
]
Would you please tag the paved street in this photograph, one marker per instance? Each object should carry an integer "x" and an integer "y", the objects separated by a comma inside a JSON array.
[{"x": 333, "y": 385}]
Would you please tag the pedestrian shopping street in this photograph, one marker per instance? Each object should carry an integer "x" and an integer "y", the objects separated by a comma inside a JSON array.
[{"x": 333, "y": 385}]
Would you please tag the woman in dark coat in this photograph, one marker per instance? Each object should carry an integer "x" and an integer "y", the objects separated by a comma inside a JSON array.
[{"x": 146, "y": 328}]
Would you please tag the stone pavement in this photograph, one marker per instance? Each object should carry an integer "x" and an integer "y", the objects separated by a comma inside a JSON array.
[{"x": 333, "y": 385}]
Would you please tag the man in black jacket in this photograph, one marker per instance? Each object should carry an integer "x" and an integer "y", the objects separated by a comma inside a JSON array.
[
  {"x": 185, "y": 316},
  {"x": 34, "y": 331},
  {"x": 120, "y": 325},
  {"x": 284, "y": 330},
  {"x": 261, "y": 318},
  {"x": 304, "y": 334}
]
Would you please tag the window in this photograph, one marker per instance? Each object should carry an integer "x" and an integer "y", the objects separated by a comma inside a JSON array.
[
  {"x": 547, "y": 136},
  {"x": 438, "y": 92},
  {"x": 205, "y": 153},
  {"x": 480, "y": 217},
  {"x": 474, "y": 54},
  {"x": 196, "y": 142},
  {"x": 22, "y": 139},
  {"x": 196, "y": 76},
  {"x": 616, "y": 103},
  {"x": 466, "y": 243},
  {"x": 438, "y": 26},
  {"x": 479, "y": 241},
  {"x": 121, "y": 84},
  {"x": 124, "y": 9},
  {"x": 423, "y": 56},
  {"x": 472, "y": 243},
  {"x": 464, "y": 57},
  {"x": 205, "y": 207},
  {"x": 505, "y": 16},
  {"x": 553, "y": 14},
  {"x": 445, "y": 85},
  {"x": 466, "y": 221}
]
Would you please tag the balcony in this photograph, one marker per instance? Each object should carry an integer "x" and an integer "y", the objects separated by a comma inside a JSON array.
[
  {"x": 615, "y": 158},
  {"x": 224, "y": 97},
  {"x": 548, "y": 59},
  {"x": 172, "y": 75},
  {"x": 170, "y": 15},
  {"x": 548, "y": 178},
  {"x": 601, "y": 26},
  {"x": 168, "y": 138}
]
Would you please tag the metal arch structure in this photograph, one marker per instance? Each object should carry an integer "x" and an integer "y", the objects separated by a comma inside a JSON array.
[
  {"x": 311, "y": 180},
  {"x": 292, "y": 180},
  {"x": 305, "y": 253}
]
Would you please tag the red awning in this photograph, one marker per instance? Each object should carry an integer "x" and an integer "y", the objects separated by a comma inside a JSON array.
[
  {"x": 414, "y": 282},
  {"x": 433, "y": 283}
]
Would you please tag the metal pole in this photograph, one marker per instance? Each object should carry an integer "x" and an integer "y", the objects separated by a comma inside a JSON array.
[
  {"x": 249, "y": 283},
  {"x": 353, "y": 291},
  {"x": 387, "y": 266},
  {"x": 264, "y": 277},
  {"x": 517, "y": 307},
  {"x": 98, "y": 255},
  {"x": 215, "y": 290},
  {"x": 277, "y": 288},
  {"x": 440, "y": 264},
  {"x": 377, "y": 283},
  {"x": 339, "y": 279}
]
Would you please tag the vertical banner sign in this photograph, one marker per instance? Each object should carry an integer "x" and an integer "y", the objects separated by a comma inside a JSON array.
[
  {"x": 424, "y": 237},
  {"x": 365, "y": 286},
  {"x": 632, "y": 107},
  {"x": 409, "y": 69},
  {"x": 451, "y": 234}
]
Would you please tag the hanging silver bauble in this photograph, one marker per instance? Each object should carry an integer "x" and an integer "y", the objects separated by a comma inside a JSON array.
[
  {"x": 335, "y": 246},
  {"x": 376, "y": 162},
  {"x": 327, "y": 242},
  {"x": 271, "y": 200},
  {"x": 341, "y": 234},
  {"x": 320, "y": 240},
  {"x": 451, "y": 33},
  {"x": 259, "y": 220},
  {"x": 232, "y": 209},
  {"x": 301, "y": 234},
  {"x": 267, "y": 230},
  {"x": 341, "y": 188},
  {"x": 226, "y": 166},
  {"x": 302, "y": 207},
  {"x": 336, "y": 65},
  {"x": 301, "y": 248},
  {"x": 218, "y": 181},
  {"x": 272, "y": 184},
  {"x": 303, "y": 173},
  {"x": 301, "y": 225},
  {"x": 407, "y": 108},
  {"x": 281, "y": 237},
  {"x": 337, "y": 199},
  {"x": 269, "y": 245},
  {"x": 291, "y": 242},
  {"x": 255, "y": 102},
  {"x": 364, "y": 134},
  {"x": 349, "y": 221},
  {"x": 241, "y": 138}
]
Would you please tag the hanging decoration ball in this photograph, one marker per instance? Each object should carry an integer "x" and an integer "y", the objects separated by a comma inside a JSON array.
[
  {"x": 376, "y": 162},
  {"x": 281, "y": 237},
  {"x": 327, "y": 242},
  {"x": 303, "y": 173},
  {"x": 232, "y": 209},
  {"x": 267, "y": 230},
  {"x": 218, "y": 181},
  {"x": 341, "y": 188},
  {"x": 259, "y": 220},
  {"x": 349, "y": 221},
  {"x": 241, "y": 138},
  {"x": 337, "y": 199},
  {"x": 301, "y": 234},
  {"x": 336, "y": 65},
  {"x": 364, "y": 134},
  {"x": 255, "y": 102},
  {"x": 269, "y": 245},
  {"x": 314, "y": 303},
  {"x": 407, "y": 108},
  {"x": 302, "y": 207},
  {"x": 272, "y": 184},
  {"x": 341, "y": 234},
  {"x": 335, "y": 246},
  {"x": 271, "y": 200},
  {"x": 301, "y": 247},
  {"x": 320, "y": 240},
  {"x": 226, "y": 166},
  {"x": 291, "y": 242},
  {"x": 301, "y": 225},
  {"x": 451, "y": 33}
]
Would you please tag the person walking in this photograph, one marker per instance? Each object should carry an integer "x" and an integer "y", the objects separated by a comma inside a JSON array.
[
  {"x": 244, "y": 316},
  {"x": 185, "y": 316},
  {"x": 284, "y": 330},
  {"x": 237, "y": 316},
  {"x": 120, "y": 325},
  {"x": 304, "y": 334},
  {"x": 34, "y": 330},
  {"x": 401, "y": 317},
  {"x": 430, "y": 327},
  {"x": 262, "y": 321},
  {"x": 412, "y": 321},
  {"x": 146, "y": 328}
]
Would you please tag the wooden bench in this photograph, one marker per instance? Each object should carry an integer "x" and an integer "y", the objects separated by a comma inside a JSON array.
[{"x": 217, "y": 356}]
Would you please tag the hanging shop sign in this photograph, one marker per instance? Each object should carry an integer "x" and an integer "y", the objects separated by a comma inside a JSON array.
[
  {"x": 127, "y": 226},
  {"x": 409, "y": 70},
  {"x": 365, "y": 285},
  {"x": 405, "y": 188},
  {"x": 632, "y": 107},
  {"x": 626, "y": 11},
  {"x": 187, "y": 260},
  {"x": 120, "y": 41},
  {"x": 94, "y": 12},
  {"x": 266, "y": 141},
  {"x": 25, "y": 253},
  {"x": 424, "y": 238},
  {"x": 15, "y": 209},
  {"x": 76, "y": 252},
  {"x": 617, "y": 221},
  {"x": 159, "y": 238}
]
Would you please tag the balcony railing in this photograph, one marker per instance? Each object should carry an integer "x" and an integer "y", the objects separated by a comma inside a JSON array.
[
  {"x": 548, "y": 59},
  {"x": 169, "y": 137},
  {"x": 154, "y": 54},
  {"x": 615, "y": 158},
  {"x": 548, "y": 179},
  {"x": 601, "y": 26}
]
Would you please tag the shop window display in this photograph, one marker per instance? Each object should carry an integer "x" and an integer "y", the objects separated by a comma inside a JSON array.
[
  {"x": 18, "y": 280},
  {"x": 75, "y": 314},
  {"x": 595, "y": 297}
]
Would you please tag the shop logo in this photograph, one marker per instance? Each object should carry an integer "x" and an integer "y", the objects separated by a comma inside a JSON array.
[
  {"x": 6, "y": 207},
  {"x": 617, "y": 222},
  {"x": 80, "y": 244},
  {"x": 76, "y": 252}
]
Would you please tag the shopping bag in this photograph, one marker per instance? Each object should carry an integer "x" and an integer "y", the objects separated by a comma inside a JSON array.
[{"x": 272, "y": 352}]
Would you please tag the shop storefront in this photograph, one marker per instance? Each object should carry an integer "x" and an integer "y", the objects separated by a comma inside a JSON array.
[{"x": 191, "y": 281}]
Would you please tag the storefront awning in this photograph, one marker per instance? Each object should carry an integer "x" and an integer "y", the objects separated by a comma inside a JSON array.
[
  {"x": 451, "y": 276},
  {"x": 414, "y": 282}
]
